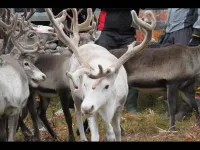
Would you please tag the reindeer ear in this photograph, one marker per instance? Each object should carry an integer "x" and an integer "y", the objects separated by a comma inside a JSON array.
[{"x": 15, "y": 53}]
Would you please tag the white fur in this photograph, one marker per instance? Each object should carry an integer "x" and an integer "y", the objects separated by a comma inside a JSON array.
[
  {"x": 108, "y": 103},
  {"x": 14, "y": 92},
  {"x": 12, "y": 88}
]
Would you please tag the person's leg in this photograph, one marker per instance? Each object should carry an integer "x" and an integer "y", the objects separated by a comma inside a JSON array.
[
  {"x": 183, "y": 36},
  {"x": 131, "y": 102},
  {"x": 168, "y": 40}
]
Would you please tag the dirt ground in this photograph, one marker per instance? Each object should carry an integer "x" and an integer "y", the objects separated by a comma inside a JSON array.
[{"x": 149, "y": 124}]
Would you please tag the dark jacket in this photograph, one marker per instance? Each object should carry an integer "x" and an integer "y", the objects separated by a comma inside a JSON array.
[{"x": 117, "y": 19}]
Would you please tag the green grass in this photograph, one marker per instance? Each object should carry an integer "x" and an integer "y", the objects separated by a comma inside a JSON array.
[{"x": 145, "y": 126}]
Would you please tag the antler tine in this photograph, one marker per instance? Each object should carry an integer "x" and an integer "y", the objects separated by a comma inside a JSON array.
[
  {"x": 79, "y": 11},
  {"x": 22, "y": 30},
  {"x": 4, "y": 25},
  {"x": 25, "y": 13},
  {"x": 67, "y": 30},
  {"x": 85, "y": 26},
  {"x": 8, "y": 15},
  {"x": 132, "y": 49},
  {"x": 32, "y": 11},
  {"x": 100, "y": 74},
  {"x": 60, "y": 15},
  {"x": 147, "y": 29},
  {"x": 2, "y": 11},
  {"x": 65, "y": 39},
  {"x": 4, "y": 15},
  {"x": 7, "y": 31}
]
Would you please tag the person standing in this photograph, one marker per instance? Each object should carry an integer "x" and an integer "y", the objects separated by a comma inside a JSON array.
[{"x": 116, "y": 32}]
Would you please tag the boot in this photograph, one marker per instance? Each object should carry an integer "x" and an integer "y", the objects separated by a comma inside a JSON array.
[{"x": 131, "y": 102}]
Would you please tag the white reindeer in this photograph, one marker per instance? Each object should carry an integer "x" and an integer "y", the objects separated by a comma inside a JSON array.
[{"x": 104, "y": 93}]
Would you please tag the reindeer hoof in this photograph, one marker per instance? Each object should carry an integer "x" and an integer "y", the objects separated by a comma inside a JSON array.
[
  {"x": 71, "y": 138},
  {"x": 27, "y": 133},
  {"x": 58, "y": 139},
  {"x": 32, "y": 139},
  {"x": 84, "y": 140}
]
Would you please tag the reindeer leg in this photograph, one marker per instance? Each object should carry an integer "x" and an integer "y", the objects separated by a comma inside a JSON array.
[
  {"x": 86, "y": 128},
  {"x": 3, "y": 135},
  {"x": 93, "y": 124},
  {"x": 116, "y": 125},
  {"x": 31, "y": 104},
  {"x": 44, "y": 103},
  {"x": 25, "y": 130},
  {"x": 172, "y": 93},
  {"x": 188, "y": 96},
  {"x": 119, "y": 131},
  {"x": 65, "y": 106},
  {"x": 79, "y": 121},
  {"x": 12, "y": 123},
  {"x": 110, "y": 135}
]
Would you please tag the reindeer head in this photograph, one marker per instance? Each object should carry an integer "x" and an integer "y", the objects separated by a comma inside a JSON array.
[
  {"x": 96, "y": 88},
  {"x": 25, "y": 43},
  {"x": 35, "y": 76}
]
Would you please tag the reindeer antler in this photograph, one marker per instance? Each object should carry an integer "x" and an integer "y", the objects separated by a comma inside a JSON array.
[
  {"x": 66, "y": 28},
  {"x": 132, "y": 49},
  {"x": 73, "y": 43},
  {"x": 6, "y": 28},
  {"x": 32, "y": 11},
  {"x": 65, "y": 39},
  {"x": 22, "y": 31}
]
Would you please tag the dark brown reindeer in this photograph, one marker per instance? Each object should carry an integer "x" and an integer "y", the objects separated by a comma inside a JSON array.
[{"x": 172, "y": 69}]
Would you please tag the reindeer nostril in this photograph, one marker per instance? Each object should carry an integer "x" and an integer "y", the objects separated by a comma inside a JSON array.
[
  {"x": 92, "y": 108},
  {"x": 43, "y": 77}
]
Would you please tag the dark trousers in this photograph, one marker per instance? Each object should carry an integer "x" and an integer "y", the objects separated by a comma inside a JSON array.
[
  {"x": 182, "y": 37},
  {"x": 113, "y": 40}
]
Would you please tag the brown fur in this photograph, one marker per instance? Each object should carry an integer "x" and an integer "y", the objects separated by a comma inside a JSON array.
[{"x": 157, "y": 65}]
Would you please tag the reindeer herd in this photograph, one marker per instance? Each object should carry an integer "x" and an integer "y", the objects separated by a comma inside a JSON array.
[{"x": 60, "y": 61}]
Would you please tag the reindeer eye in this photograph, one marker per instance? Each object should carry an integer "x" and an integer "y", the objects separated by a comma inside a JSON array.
[
  {"x": 31, "y": 35},
  {"x": 106, "y": 87}
]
